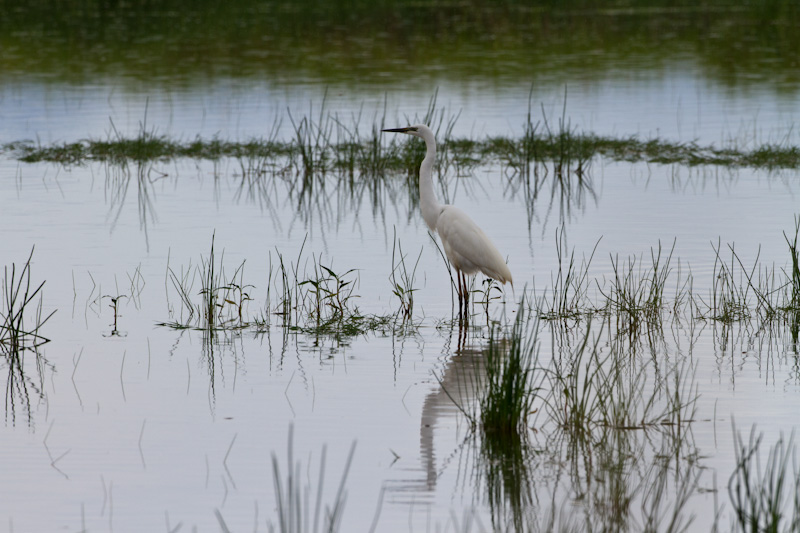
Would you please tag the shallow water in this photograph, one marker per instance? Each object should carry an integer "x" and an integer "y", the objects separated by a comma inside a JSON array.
[{"x": 140, "y": 427}]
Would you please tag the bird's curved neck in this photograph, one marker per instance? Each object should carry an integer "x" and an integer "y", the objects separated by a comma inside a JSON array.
[{"x": 427, "y": 198}]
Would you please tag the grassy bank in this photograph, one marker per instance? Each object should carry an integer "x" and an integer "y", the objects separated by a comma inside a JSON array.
[{"x": 354, "y": 40}]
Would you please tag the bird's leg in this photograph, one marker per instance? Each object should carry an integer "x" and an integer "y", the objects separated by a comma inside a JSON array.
[
  {"x": 458, "y": 284},
  {"x": 460, "y": 295},
  {"x": 466, "y": 296},
  {"x": 462, "y": 281}
]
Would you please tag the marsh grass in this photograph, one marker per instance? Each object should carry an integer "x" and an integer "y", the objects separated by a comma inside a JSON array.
[
  {"x": 507, "y": 396},
  {"x": 403, "y": 279},
  {"x": 567, "y": 299},
  {"x": 222, "y": 300},
  {"x": 496, "y": 397},
  {"x": 22, "y": 318},
  {"x": 601, "y": 386},
  {"x": 618, "y": 426},
  {"x": 21, "y": 313},
  {"x": 312, "y": 141},
  {"x": 765, "y": 498},
  {"x": 597, "y": 426},
  {"x": 741, "y": 293},
  {"x": 313, "y": 299},
  {"x": 321, "y": 142},
  {"x": 327, "y": 302},
  {"x": 792, "y": 298},
  {"x": 636, "y": 295}
]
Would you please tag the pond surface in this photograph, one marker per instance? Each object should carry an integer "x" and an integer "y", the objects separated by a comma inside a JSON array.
[{"x": 123, "y": 423}]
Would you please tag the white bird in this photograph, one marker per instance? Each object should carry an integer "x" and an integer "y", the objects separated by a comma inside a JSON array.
[{"x": 465, "y": 244}]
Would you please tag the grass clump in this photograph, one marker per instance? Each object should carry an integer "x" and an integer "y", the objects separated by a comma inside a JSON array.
[
  {"x": 636, "y": 294},
  {"x": 568, "y": 295},
  {"x": 402, "y": 280},
  {"x": 21, "y": 321},
  {"x": 17, "y": 333},
  {"x": 498, "y": 392},
  {"x": 507, "y": 397},
  {"x": 327, "y": 305},
  {"x": 222, "y": 299},
  {"x": 597, "y": 388}
]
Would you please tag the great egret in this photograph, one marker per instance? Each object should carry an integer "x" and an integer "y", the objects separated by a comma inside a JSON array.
[{"x": 465, "y": 244}]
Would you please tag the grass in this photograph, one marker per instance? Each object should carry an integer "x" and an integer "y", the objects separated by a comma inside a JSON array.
[
  {"x": 507, "y": 396},
  {"x": 613, "y": 426},
  {"x": 22, "y": 320},
  {"x": 603, "y": 387},
  {"x": 614, "y": 423},
  {"x": 635, "y": 295},
  {"x": 222, "y": 299},
  {"x": 618, "y": 426},
  {"x": 311, "y": 297},
  {"x": 567, "y": 297},
  {"x": 403, "y": 279},
  {"x": 323, "y": 144},
  {"x": 21, "y": 312},
  {"x": 316, "y": 301},
  {"x": 765, "y": 498}
]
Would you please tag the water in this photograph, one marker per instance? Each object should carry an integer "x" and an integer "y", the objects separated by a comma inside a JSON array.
[{"x": 139, "y": 427}]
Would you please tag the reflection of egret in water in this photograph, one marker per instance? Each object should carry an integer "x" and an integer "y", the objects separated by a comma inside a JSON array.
[
  {"x": 456, "y": 380},
  {"x": 457, "y": 388},
  {"x": 494, "y": 470}
]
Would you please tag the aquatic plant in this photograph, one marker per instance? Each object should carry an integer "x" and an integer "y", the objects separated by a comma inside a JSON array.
[
  {"x": 507, "y": 395},
  {"x": 768, "y": 499},
  {"x": 17, "y": 332},
  {"x": 636, "y": 295},
  {"x": 403, "y": 279},
  {"x": 222, "y": 299},
  {"x": 321, "y": 142},
  {"x": 568, "y": 291},
  {"x": 21, "y": 322}
]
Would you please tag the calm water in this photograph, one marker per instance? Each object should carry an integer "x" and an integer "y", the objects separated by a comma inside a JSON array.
[{"x": 143, "y": 427}]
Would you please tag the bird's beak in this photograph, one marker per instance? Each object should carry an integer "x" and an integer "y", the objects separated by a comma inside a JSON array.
[{"x": 407, "y": 129}]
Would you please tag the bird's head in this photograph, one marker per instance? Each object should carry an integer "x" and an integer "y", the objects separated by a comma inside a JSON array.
[{"x": 418, "y": 130}]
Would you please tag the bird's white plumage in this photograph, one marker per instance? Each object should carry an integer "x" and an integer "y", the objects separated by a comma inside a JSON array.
[{"x": 467, "y": 247}]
